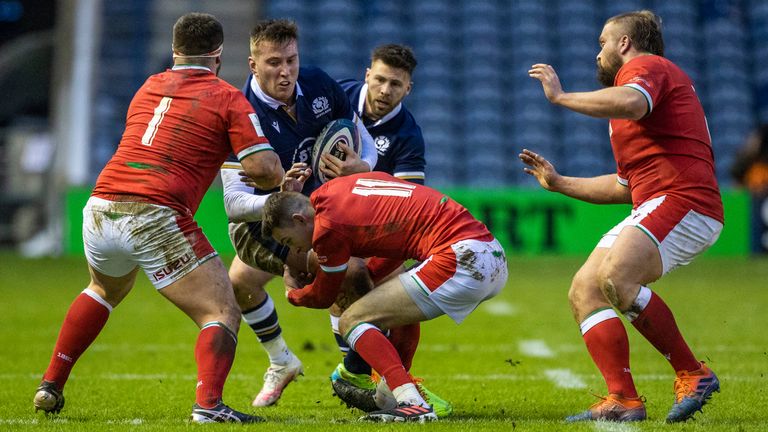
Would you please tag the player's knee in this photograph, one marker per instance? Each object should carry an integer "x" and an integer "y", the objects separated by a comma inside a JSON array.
[
  {"x": 613, "y": 286},
  {"x": 581, "y": 284},
  {"x": 349, "y": 319}
]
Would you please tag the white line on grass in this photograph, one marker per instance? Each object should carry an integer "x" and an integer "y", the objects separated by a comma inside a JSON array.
[
  {"x": 565, "y": 378},
  {"x": 608, "y": 426},
  {"x": 500, "y": 307},
  {"x": 536, "y": 348}
]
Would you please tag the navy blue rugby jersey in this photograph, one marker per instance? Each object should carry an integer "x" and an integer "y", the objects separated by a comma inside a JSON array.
[
  {"x": 398, "y": 138},
  {"x": 319, "y": 99}
]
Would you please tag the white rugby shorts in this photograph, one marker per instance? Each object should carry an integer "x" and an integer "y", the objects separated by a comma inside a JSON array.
[
  {"x": 118, "y": 236},
  {"x": 680, "y": 233},
  {"x": 455, "y": 280}
]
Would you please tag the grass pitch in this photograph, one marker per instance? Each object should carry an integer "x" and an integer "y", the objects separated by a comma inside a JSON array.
[{"x": 517, "y": 363}]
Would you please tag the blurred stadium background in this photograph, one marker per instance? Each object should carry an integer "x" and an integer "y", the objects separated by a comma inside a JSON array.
[{"x": 69, "y": 68}]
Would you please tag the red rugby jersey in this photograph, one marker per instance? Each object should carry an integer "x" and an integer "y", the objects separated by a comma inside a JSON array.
[
  {"x": 180, "y": 127},
  {"x": 669, "y": 151},
  {"x": 376, "y": 214}
]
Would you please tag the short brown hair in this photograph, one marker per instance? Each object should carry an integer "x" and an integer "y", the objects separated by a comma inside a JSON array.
[
  {"x": 277, "y": 31},
  {"x": 196, "y": 34},
  {"x": 644, "y": 29},
  {"x": 278, "y": 210},
  {"x": 396, "y": 56}
]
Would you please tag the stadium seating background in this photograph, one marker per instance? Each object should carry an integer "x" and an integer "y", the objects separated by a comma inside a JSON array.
[{"x": 472, "y": 96}]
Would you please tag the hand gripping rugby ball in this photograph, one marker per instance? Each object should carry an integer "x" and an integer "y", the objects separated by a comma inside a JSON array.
[{"x": 335, "y": 132}]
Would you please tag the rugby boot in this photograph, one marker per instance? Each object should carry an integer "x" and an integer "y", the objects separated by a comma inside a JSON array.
[
  {"x": 276, "y": 379},
  {"x": 355, "y": 390},
  {"x": 48, "y": 398},
  {"x": 404, "y": 412},
  {"x": 692, "y": 391},
  {"x": 612, "y": 408},
  {"x": 221, "y": 414}
]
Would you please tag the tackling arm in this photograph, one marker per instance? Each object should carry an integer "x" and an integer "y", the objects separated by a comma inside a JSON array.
[
  {"x": 240, "y": 203},
  {"x": 264, "y": 169}
]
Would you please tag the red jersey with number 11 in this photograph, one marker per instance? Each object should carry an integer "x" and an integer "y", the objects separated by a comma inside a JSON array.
[{"x": 180, "y": 127}]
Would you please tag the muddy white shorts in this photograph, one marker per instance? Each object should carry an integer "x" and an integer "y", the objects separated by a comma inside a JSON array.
[
  {"x": 455, "y": 280},
  {"x": 680, "y": 233},
  {"x": 118, "y": 236}
]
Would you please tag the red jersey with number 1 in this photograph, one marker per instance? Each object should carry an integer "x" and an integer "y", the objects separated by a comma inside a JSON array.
[
  {"x": 180, "y": 127},
  {"x": 378, "y": 215},
  {"x": 669, "y": 151}
]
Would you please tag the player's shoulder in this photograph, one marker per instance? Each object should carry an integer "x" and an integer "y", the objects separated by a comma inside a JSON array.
[
  {"x": 350, "y": 85},
  {"x": 312, "y": 75},
  {"x": 408, "y": 127}
]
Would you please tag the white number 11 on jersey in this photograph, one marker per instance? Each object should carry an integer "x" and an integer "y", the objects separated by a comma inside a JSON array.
[
  {"x": 368, "y": 187},
  {"x": 154, "y": 124}
]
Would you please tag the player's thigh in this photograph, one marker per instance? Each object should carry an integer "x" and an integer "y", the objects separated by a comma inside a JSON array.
[
  {"x": 112, "y": 289},
  {"x": 387, "y": 306},
  {"x": 205, "y": 294}
]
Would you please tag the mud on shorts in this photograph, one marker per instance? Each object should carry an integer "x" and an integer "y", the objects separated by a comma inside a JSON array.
[
  {"x": 679, "y": 232},
  {"x": 457, "y": 279},
  {"x": 256, "y": 251},
  {"x": 118, "y": 236}
]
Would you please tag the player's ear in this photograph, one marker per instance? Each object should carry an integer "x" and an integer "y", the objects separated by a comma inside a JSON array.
[
  {"x": 408, "y": 88},
  {"x": 252, "y": 66},
  {"x": 624, "y": 44},
  {"x": 367, "y": 73}
]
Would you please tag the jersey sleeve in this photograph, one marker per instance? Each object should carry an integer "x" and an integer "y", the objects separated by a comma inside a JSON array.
[
  {"x": 646, "y": 79},
  {"x": 333, "y": 253},
  {"x": 410, "y": 161},
  {"x": 245, "y": 134}
]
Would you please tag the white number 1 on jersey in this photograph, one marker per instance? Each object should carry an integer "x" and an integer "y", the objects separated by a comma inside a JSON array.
[{"x": 154, "y": 124}]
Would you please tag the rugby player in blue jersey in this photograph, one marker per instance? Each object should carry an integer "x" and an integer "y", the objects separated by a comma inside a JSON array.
[{"x": 293, "y": 105}]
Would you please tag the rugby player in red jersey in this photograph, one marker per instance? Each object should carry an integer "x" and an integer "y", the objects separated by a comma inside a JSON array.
[
  {"x": 378, "y": 215},
  {"x": 180, "y": 127},
  {"x": 665, "y": 168}
]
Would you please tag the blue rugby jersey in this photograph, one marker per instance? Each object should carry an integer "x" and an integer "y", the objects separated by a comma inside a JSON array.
[
  {"x": 319, "y": 99},
  {"x": 398, "y": 138}
]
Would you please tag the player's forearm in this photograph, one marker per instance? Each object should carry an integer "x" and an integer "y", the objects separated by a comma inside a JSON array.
[
  {"x": 320, "y": 294},
  {"x": 611, "y": 102},
  {"x": 240, "y": 204},
  {"x": 264, "y": 169},
  {"x": 596, "y": 190},
  {"x": 368, "y": 151}
]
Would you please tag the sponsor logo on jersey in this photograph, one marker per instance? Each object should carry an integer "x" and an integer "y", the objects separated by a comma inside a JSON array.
[
  {"x": 171, "y": 268},
  {"x": 382, "y": 144},
  {"x": 322, "y": 259},
  {"x": 256, "y": 124},
  {"x": 320, "y": 106},
  {"x": 276, "y": 125}
]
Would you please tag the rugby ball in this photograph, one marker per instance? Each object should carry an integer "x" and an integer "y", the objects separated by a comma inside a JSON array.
[{"x": 335, "y": 132}]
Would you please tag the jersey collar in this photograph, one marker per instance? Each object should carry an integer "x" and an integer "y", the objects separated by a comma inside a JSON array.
[
  {"x": 361, "y": 108},
  {"x": 267, "y": 99},
  {"x": 181, "y": 67}
]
